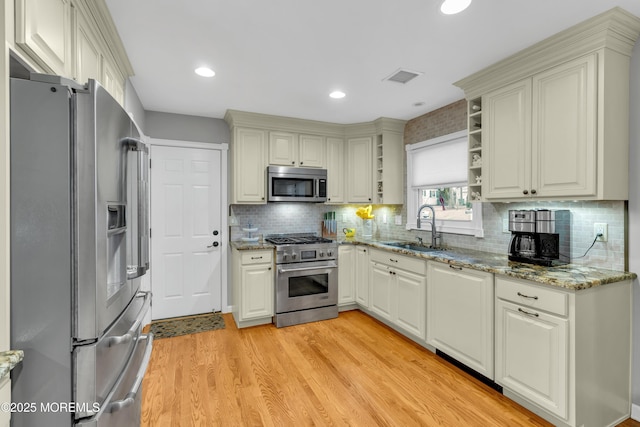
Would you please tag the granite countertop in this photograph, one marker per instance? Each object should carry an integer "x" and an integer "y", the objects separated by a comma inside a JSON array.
[
  {"x": 8, "y": 360},
  {"x": 570, "y": 276},
  {"x": 251, "y": 246}
]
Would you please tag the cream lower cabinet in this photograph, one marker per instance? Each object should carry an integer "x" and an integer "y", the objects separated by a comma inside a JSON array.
[
  {"x": 460, "y": 311},
  {"x": 346, "y": 275},
  {"x": 362, "y": 276},
  {"x": 248, "y": 166},
  {"x": 398, "y": 290},
  {"x": 253, "y": 287},
  {"x": 565, "y": 354},
  {"x": 5, "y": 397}
]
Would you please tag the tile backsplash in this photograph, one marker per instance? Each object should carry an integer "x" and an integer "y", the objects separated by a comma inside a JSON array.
[{"x": 275, "y": 218}]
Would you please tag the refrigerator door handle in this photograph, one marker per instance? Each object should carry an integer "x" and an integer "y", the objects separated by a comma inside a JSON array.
[
  {"x": 139, "y": 269},
  {"x": 133, "y": 330},
  {"x": 130, "y": 397}
]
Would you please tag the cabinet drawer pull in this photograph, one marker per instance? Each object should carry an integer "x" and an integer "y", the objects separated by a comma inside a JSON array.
[
  {"x": 393, "y": 260},
  {"x": 455, "y": 267},
  {"x": 527, "y": 296},
  {"x": 256, "y": 257},
  {"x": 528, "y": 313}
]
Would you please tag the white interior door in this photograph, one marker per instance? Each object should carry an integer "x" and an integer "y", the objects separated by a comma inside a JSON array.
[{"x": 186, "y": 270}]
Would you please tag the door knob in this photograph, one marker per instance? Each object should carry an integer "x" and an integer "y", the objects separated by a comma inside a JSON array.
[{"x": 213, "y": 245}]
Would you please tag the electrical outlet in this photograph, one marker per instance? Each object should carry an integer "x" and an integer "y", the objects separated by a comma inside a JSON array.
[
  {"x": 398, "y": 219},
  {"x": 601, "y": 228}
]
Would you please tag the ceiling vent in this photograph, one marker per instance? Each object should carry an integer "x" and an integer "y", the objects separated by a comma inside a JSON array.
[{"x": 402, "y": 76}]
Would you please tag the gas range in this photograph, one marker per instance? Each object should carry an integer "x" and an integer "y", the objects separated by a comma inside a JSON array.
[
  {"x": 306, "y": 278},
  {"x": 302, "y": 247}
]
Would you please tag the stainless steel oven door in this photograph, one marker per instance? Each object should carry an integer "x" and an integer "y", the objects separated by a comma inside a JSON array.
[{"x": 306, "y": 285}]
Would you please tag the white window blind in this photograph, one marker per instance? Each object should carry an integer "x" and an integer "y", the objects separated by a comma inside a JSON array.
[{"x": 438, "y": 164}]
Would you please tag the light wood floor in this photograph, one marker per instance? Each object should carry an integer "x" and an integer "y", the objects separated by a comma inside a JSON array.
[{"x": 347, "y": 371}]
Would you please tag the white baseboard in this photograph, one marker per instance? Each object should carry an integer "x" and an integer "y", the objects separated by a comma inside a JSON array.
[{"x": 635, "y": 412}]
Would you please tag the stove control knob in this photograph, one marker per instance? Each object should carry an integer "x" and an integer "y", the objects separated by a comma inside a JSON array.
[
  {"x": 294, "y": 256},
  {"x": 320, "y": 254},
  {"x": 329, "y": 253},
  {"x": 285, "y": 257}
]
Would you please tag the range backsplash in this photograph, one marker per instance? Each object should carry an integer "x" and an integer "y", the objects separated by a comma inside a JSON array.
[{"x": 307, "y": 217}]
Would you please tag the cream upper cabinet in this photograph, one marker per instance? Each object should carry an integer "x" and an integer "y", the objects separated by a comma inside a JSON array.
[
  {"x": 283, "y": 149},
  {"x": 389, "y": 179},
  {"x": 564, "y": 123},
  {"x": 312, "y": 151},
  {"x": 113, "y": 81},
  {"x": 335, "y": 170},
  {"x": 540, "y": 134},
  {"x": 359, "y": 165},
  {"x": 288, "y": 149},
  {"x": 248, "y": 164},
  {"x": 88, "y": 56},
  {"x": 507, "y": 141},
  {"x": 43, "y": 30},
  {"x": 555, "y": 116}
]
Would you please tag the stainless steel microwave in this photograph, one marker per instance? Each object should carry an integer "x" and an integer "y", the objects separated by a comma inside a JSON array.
[{"x": 287, "y": 184}]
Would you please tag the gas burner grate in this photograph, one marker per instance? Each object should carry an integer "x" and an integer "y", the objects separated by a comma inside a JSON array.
[{"x": 296, "y": 239}]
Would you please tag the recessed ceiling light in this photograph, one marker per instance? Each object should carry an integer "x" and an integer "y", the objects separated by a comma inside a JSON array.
[
  {"x": 451, "y": 7},
  {"x": 337, "y": 94},
  {"x": 205, "y": 72}
]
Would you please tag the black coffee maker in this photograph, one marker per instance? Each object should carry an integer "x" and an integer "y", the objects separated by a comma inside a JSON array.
[{"x": 540, "y": 237}]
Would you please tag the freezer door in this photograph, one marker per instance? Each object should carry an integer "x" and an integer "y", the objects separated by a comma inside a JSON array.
[
  {"x": 99, "y": 366},
  {"x": 102, "y": 211},
  {"x": 122, "y": 408}
]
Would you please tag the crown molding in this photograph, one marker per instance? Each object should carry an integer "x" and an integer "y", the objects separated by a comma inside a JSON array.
[
  {"x": 100, "y": 13},
  {"x": 235, "y": 118},
  {"x": 616, "y": 30}
]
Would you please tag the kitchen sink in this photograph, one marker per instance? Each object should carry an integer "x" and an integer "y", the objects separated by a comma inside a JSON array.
[{"x": 413, "y": 247}]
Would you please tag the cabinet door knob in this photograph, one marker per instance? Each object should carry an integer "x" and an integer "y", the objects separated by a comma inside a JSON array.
[
  {"x": 533, "y": 191},
  {"x": 525, "y": 191},
  {"x": 293, "y": 163},
  {"x": 301, "y": 163}
]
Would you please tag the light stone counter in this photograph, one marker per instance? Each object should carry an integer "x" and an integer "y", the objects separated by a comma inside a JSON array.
[
  {"x": 570, "y": 276},
  {"x": 8, "y": 360}
]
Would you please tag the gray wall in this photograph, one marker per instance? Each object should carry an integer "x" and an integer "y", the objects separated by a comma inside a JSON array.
[
  {"x": 174, "y": 126},
  {"x": 634, "y": 216},
  {"x": 186, "y": 128},
  {"x": 133, "y": 106}
]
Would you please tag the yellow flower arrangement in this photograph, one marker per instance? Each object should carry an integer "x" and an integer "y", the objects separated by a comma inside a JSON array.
[{"x": 364, "y": 213}]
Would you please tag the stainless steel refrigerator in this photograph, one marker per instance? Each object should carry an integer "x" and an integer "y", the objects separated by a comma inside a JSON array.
[{"x": 79, "y": 247}]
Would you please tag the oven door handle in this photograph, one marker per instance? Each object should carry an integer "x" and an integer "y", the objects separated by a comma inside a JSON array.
[{"x": 290, "y": 270}]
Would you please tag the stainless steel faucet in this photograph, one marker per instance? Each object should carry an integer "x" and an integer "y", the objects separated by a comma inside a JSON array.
[{"x": 434, "y": 234}]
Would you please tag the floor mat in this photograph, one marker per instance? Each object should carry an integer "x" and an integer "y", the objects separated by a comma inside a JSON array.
[{"x": 168, "y": 328}]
